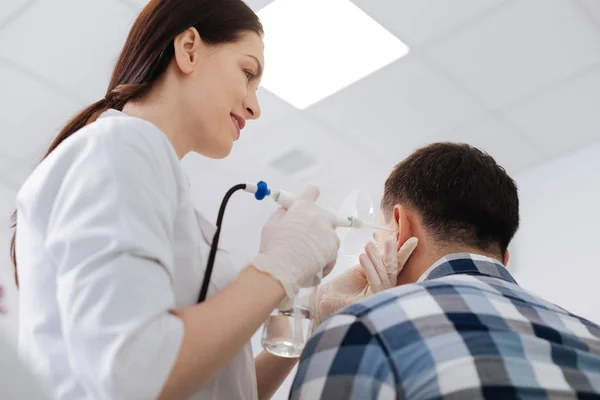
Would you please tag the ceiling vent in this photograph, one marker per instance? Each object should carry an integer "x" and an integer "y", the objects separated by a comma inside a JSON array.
[{"x": 292, "y": 162}]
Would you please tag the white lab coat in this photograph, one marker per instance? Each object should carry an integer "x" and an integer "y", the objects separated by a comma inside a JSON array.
[{"x": 108, "y": 241}]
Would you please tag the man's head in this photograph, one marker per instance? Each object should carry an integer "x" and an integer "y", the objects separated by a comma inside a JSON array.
[{"x": 453, "y": 197}]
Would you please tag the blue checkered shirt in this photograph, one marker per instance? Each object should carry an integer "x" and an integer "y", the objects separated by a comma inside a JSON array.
[{"x": 465, "y": 330}]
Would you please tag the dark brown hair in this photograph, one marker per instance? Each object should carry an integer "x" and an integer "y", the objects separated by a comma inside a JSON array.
[
  {"x": 149, "y": 50},
  {"x": 461, "y": 193}
]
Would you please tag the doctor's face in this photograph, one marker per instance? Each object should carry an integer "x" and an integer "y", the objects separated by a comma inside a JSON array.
[{"x": 219, "y": 95}]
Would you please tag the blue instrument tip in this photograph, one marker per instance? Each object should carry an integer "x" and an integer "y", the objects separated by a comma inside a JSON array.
[{"x": 263, "y": 190}]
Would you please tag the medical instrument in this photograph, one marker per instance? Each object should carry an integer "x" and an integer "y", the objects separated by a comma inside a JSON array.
[
  {"x": 287, "y": 331},
  {"x": 261, "y": 190},
  {"x": 286, "y": 199}
]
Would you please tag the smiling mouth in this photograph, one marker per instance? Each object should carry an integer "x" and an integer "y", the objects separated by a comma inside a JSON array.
[{"x": 238, "y": 121}]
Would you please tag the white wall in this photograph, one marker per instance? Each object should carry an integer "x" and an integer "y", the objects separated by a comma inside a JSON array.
[
  {"x": 556, "y": 252},
  {"x": 8, "y": 320}
]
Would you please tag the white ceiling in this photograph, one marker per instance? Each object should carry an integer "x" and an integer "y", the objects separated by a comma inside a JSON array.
[{"x": 520, "y": 79}]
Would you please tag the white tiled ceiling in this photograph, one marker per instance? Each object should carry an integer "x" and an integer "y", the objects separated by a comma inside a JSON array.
[
  {"x": 12, "y": 9},
  {"x": 418, "y": 22},
  {"x": 402, "y": 106},
  {"x": 493, "y": 133},
  {"x": 73, "y": 43},
  {"x": 565, "y": 117},
  {"x": 33, "y": 109},
  {"x": 520, "y": 48},
  {"x": 519, "y": 78},
  {"x": 592, "y": 9}
]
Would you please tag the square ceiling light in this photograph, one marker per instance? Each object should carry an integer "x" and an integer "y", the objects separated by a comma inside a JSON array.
[{"x": 314, "y": 48}]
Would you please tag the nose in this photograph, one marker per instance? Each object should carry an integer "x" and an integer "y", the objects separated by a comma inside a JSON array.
[{"x": 252, "y": 107}]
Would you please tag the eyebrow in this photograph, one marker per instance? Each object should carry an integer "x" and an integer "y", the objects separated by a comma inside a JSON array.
[{"x": 260, "y": 67}]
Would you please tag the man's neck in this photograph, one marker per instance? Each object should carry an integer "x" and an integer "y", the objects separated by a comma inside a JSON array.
[{"x": 424, "y": 257}]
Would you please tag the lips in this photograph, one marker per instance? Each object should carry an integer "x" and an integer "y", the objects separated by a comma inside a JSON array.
[{"x": 239, "y": 122}]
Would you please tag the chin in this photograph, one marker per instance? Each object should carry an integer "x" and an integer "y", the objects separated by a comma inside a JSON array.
[{"x": 219, "y": 152}]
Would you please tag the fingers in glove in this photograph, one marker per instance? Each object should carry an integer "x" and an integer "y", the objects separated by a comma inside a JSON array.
[
  {"x": 405, "y": 251},
  {"x": 373, "y": 252},
  {"x": 309, "y": 192},
  {"x": 389, "y": 255},
  {"x": 370, "y": 271}
]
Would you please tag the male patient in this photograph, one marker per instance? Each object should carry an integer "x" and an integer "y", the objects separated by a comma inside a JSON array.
[{"x": 457, "y": 325}]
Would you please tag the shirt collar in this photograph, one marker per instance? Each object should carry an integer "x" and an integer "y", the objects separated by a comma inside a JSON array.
[
  {"x": 468, "y": 264},
  {"x": 111, "y": 112}
]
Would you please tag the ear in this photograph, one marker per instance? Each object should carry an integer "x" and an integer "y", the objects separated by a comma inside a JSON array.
[
  {"x": 402, "y": 224},
  {"x": 506, "y": 257},
  {"x": 187, "y": 46}
]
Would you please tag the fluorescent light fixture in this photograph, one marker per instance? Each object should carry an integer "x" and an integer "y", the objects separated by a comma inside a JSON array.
[{"x": 314, "y": 48}]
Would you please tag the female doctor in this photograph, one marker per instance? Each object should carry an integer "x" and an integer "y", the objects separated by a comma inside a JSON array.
[{"x": 110, "y": 251}]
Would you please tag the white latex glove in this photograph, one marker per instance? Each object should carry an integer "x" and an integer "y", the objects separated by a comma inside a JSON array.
[
  {"x": 377, "y": 271},
  {"x": 298, "y": 245}
]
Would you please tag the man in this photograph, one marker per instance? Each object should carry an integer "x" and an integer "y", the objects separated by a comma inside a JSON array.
[{"x": 457, "y": 326}]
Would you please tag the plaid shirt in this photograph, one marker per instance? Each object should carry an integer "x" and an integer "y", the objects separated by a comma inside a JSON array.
[{"x": 465, "y": 330}]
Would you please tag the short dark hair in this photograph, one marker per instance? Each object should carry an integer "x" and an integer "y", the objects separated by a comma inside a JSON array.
[{"x": 461, "y": 193}]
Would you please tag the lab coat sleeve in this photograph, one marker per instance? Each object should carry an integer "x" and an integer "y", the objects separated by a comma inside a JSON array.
[{"x": 110, "y": 236}]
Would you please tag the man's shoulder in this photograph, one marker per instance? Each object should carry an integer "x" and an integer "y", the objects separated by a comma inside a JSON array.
[
  {"x": 442, "y": 289},
  {"x": 434, "y": 305},
  {"x": 461, "y": 303}
]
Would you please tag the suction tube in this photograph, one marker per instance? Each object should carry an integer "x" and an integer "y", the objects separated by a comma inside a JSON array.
[
  {"x": 260, "y": 191},
  {"x": 284, "y": 199}
]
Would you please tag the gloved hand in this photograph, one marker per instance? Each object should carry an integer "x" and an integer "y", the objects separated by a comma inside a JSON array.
[
  {"x": 297, "y": 245},
  {"x": 377, "y": 271}
]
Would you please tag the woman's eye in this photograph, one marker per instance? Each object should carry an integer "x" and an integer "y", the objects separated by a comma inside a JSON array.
[{"x": 249, "y": 74}]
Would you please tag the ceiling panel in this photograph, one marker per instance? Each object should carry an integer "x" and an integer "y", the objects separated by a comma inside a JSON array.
[
  {"x": 76, "y": 52},
  {"x": 254, "y": 4},
  {"x": 257, "y": 4},
  {"x": 492, "y": 133},
  {"x": 11, "y": 9},
  {"x": 33, "y": 112},
  {"x": 418, "y": 22},
  {"x": 397, "y": 109},
  {"x": 565, "y": 118},
  {"x": 524, "y": 46},
  {"x": 592, "y": 9}
]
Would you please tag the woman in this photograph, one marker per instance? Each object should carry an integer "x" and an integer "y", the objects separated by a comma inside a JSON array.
[{"x": 111, "y": 253}]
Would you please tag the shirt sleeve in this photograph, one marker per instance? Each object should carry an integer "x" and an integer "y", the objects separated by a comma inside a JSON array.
[
  {"x": 110, "y": 234},
  {"x": 344, "y": 360}
]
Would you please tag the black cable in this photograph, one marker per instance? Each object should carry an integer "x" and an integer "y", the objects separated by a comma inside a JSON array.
[{"x": 215, "y": 242}]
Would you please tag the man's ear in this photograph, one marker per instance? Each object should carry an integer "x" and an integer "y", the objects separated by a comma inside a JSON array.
[
  {"x": 187, "y": 45},
  {"x": 506, "y": 257},
  {"x": 402, "y": 224}
]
